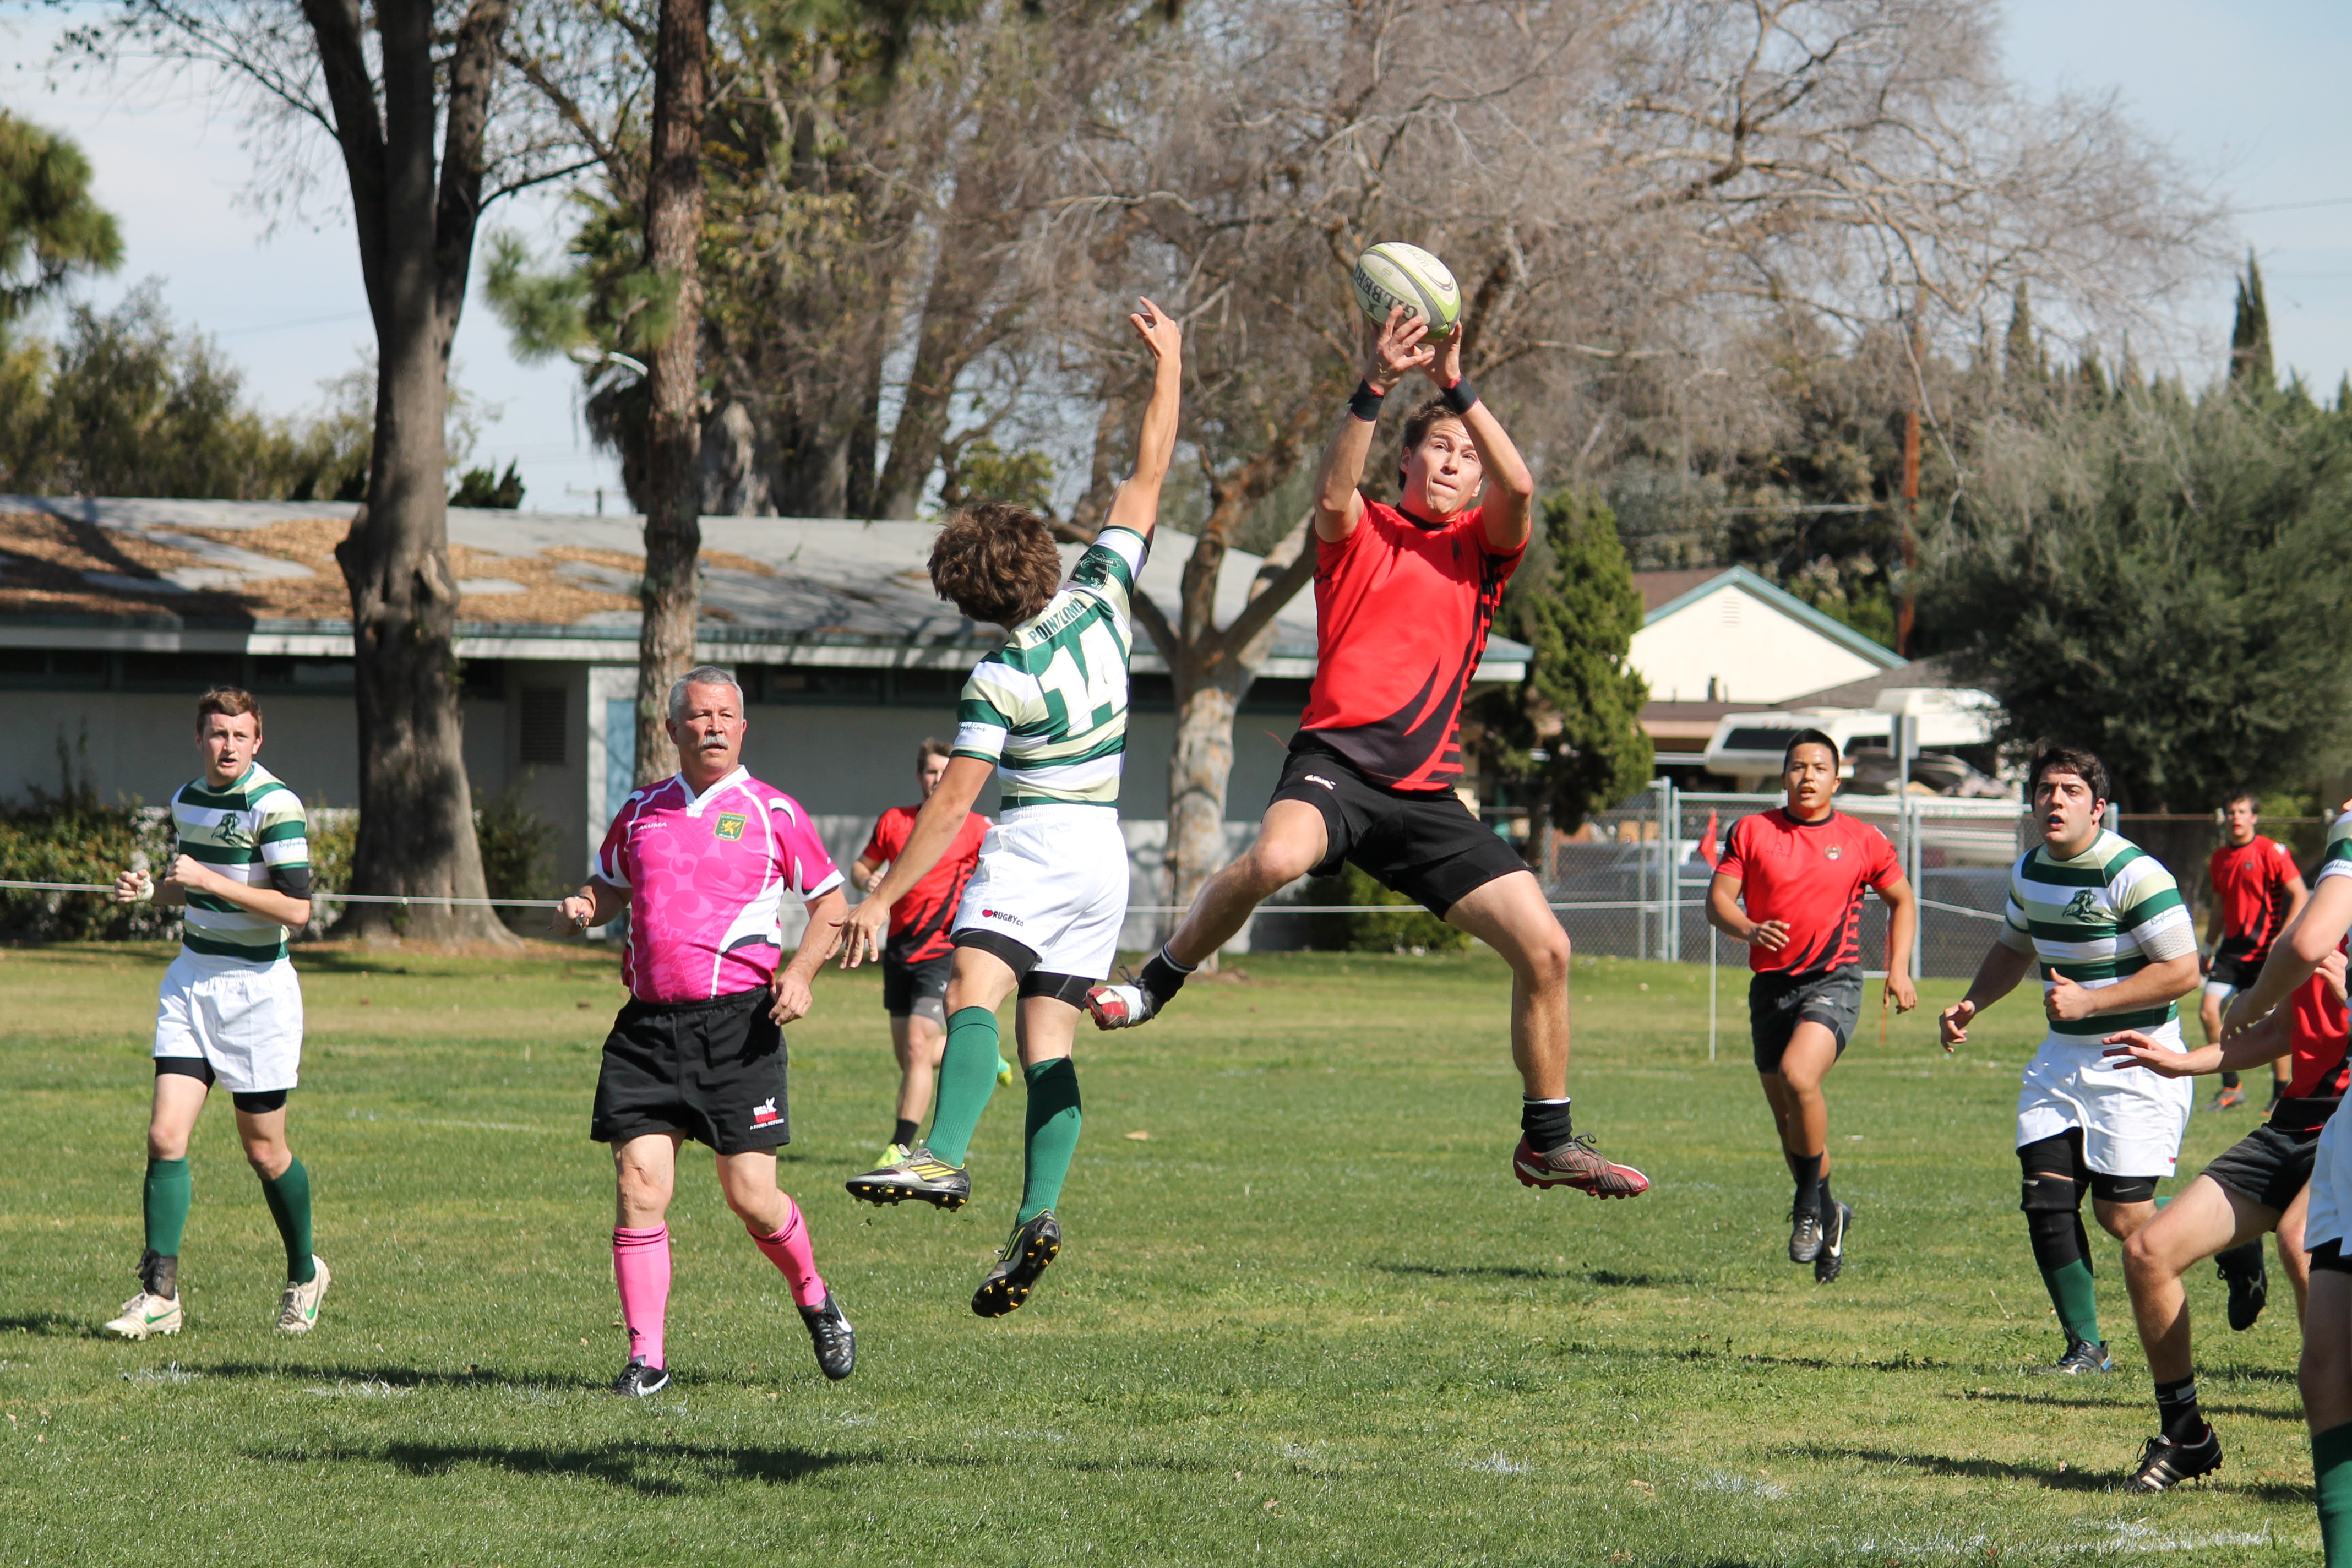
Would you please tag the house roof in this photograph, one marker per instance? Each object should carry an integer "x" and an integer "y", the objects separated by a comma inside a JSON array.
[
  {"x": 260, "y": 577},
  {"x": 1678, "y": 590},
  {"x": 1864, "y": 693}
]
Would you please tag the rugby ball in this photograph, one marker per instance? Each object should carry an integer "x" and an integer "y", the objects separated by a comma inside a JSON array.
[{"x": 1391, "y": 274}]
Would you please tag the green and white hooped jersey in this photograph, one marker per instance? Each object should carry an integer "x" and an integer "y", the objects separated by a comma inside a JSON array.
[
  {"x": 2336, "y": 861},
  {"x": 1049, "y": 708},
  {"x": 253, "y": 832},
  {"x": 2105, "y": 914}
]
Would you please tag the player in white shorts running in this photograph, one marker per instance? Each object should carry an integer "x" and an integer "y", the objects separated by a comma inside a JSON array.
[
  {"x": 1042, "y": 915},
  {"x": 2106, "y": 925},
  {"x": 2326, "y": 1372},
  {"x": 231, "y": 1009}
]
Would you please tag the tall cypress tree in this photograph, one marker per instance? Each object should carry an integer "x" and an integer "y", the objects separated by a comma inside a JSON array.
[
  {"x": 2021, "y": 361},
  {"x": 2250, "y": 333}
]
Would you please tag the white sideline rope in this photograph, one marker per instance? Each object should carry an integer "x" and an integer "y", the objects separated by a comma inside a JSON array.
[
  {"x": 341, "y": 897},
  {"x": 1960, "y": 910}
]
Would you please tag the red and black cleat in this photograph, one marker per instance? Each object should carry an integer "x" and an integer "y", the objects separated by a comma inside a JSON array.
[{"x": 1577, "y": 1163}]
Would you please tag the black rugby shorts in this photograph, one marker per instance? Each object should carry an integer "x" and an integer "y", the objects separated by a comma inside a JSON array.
[
  {"x": 1424, "y": 844},
  {"x": 713, "y": 1071},
  {"x": 1778, "y": 1002}
]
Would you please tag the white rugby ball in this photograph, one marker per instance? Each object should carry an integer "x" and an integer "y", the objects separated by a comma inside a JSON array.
[{"x": 1391, "y": 274}]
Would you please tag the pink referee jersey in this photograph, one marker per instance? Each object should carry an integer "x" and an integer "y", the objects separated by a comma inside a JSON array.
[{"x": 708, "y": 874}]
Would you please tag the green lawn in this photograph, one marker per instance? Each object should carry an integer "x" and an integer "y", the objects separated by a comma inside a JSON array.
[{"x": 1309, "y": 1318}]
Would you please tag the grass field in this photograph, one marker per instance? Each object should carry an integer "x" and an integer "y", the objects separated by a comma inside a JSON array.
[{"x": 1309, "y": 1318}]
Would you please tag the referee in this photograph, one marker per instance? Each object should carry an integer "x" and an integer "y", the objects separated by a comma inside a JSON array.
[{"x": 1799, "y": 871}]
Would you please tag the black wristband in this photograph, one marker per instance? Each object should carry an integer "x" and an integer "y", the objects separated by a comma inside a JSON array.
[
  {"x": 1460, "y": 395},
  {"x": 1365, "y": 404}
]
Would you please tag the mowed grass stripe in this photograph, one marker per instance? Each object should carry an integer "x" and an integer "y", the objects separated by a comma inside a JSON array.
[{"x": 1310, "y": 1319}]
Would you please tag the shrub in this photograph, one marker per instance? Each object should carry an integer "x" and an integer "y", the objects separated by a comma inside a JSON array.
[
  {"x": 1411, "y": 927},
  {"x": 72, "y": 837}
]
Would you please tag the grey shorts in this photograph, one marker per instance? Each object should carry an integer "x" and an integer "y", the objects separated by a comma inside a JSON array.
[{"x": 1778, "y": 1002}]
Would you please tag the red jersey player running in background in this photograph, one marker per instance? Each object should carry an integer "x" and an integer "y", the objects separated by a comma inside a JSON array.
[
  {"x": 1403, "y": 598},
  {"x": 921, "y": 951},
  {"x": 2257, "y": 889},
  {"x": 1801, "y": 871}
]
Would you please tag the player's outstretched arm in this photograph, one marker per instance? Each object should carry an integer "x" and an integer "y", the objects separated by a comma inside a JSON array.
[
  {"x": 1399, "y": 347},
  {"x": 2267, "y": 1041},
  {"x": 1997, "y": 976},
  {"x": 2310, "y": 937},
  {"x": 935, "y": 827},
  {"x": 1137, "y": 504},
  {"x": 1510, "y": 486}
]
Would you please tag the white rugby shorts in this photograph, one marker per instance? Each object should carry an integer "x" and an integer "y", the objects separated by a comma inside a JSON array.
[
  {"x": 2220, "y": 991},
  {"x": 244, "y": 1019},
  {"x": 2330, "y": 1216},
  {"x": 1053, "y": 878},
  {"x": 2131, "y": 1119}
]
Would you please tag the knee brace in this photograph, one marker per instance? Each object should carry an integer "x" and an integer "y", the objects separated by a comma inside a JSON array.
[
  {"x": 1069, "y": 988},
  {"x": 2052, "y": 1206}
]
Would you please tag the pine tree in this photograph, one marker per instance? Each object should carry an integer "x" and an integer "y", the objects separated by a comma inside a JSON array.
[
  {"x": 2021, "y": 361},
  {"x": 2250, "y": 333}
]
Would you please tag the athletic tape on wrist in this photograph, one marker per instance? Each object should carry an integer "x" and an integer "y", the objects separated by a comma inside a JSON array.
[
  {"x": 1460, "y": 395},
  {"x": 1365, "y": 404}
]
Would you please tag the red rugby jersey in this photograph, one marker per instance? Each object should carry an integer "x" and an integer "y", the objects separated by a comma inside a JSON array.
[
  {"x": 2250, "y": 880},
  {"x": 919, "y": 921},
  {"x": 2321, "y": 1038},
  {"x": 1402, "y": 610},
  {"x": 1810, "y": 873}
]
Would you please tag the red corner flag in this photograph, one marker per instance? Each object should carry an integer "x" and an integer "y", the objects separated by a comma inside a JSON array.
[{"x": 1708, "y": 850}]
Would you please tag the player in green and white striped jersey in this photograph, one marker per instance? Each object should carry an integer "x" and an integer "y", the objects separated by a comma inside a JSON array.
[
  {"x": 2105, "y": 924},
  {"x": 1042, "y": 914},
  {"x": 230, "y": 1009}
]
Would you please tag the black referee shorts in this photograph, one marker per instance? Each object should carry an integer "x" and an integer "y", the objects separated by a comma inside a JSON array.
[
  {"x": 1778, "y": 1002},
  {"x": 713, "y": 1071},
  {"x": 1424, "y": 844}
]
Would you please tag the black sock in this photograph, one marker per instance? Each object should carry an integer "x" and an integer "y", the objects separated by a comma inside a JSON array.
[
  {"x": 2176, "y": 1409},
  {"x": 2278, "y": 1091},
  {"x": 904, "y": 1132},
  {"x": 1164, "y": 976},
  {"x": 2228, "y": 1080},
  {"x": 1545, "y": 1122},
  {"x": 1828, "y": 1203},
  {"x": 1807, "y": 1171}
]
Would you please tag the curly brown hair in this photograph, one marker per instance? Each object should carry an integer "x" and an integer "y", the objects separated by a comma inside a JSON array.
[{"x": 996, "y": 562}]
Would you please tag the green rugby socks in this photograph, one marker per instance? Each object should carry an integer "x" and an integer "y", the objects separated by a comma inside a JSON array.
[
  {"x": 2076, "y": 1298},
  {"x": 966, "y": 1078},
  {"x": 1051, "y": 1135},
  {"x": 289, "y": 1205},
  {"x": 165, "y": 1195},
  {"x": 2331, "y": 1465}
]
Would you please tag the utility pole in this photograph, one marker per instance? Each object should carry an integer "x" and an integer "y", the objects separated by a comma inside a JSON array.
[{"x": 1906, "y": 605}]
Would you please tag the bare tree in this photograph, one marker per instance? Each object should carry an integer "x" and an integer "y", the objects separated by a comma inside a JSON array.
[
  {"x": 379, "y": 85},
  {"x": 1627, "y": 190}
]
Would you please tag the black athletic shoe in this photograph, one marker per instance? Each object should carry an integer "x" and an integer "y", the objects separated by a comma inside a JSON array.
[
  {"x": 2249, "y": 1289},
  {"x": 637, "y": 1379},
  {"x": 835, "y": 1340},
  {"x": 1831, "y": 1261},
  {"x": 2165, "y": 1464},
  {"x": 1804, "y": 1235},
  {"x": 921, "y": 1174},
  {"x": 2081, "y": 1356},
  {"x": 1008, "y": 1284}
]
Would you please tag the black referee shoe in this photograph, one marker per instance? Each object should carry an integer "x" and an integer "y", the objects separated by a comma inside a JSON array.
[
  {"x": 637, "y": 1379},
  {"x": 834, "y": 1341},
  {"x": 2249, "y": 1288},
  {"x": 2165, "y": 1464}
]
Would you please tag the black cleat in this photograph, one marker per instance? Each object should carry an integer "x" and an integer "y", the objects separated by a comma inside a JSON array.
[
  {"x": 834, "y": 1341},
  {"x": 1804, "y": 1235},
  {"x": 921, "y": 1174},
  {"x": 2249, "y": 1288},
  {"x": 2165, "y": 1464},
  {"x": 1831, "y": 1263},
  {"x": 637, "y": 1379},
  {"x": 2081, "y": 1356},
  {"x": 1007, "y": 1285}
]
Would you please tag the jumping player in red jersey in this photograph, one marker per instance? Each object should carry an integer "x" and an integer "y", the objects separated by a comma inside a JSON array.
[
  {"x": 2262, "y": 1183},
  {"x": 1801, "y": 871},
  {"x": 920, "y": 951},
  {"x": 2257, "y": 888},
  {"x": 703, "y": 860},
  {"x": 1403, "y": 597}
]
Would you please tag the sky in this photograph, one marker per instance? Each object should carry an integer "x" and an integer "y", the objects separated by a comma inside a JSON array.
[{"x": 2249, "y": 97}]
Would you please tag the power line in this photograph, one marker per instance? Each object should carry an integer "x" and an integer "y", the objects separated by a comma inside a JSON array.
[{"x": 2297, "y": 206}]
